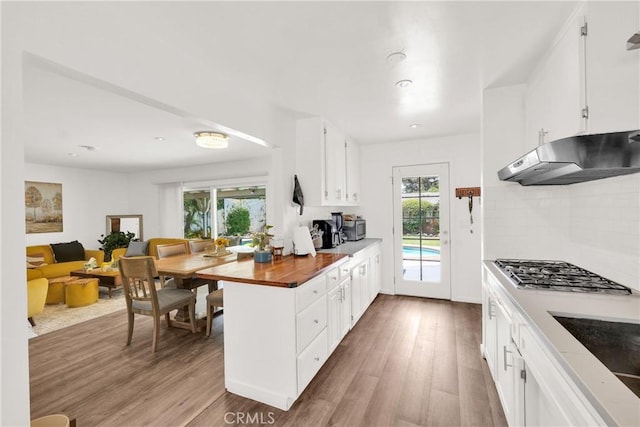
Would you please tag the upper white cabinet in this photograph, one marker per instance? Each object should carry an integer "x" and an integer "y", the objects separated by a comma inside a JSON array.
[
  {"x": 327, "y": 164},
  {"x": 613, "y": 72},
  {"x": 588, "y": 82},
  {"x": 555, "y": 97}
]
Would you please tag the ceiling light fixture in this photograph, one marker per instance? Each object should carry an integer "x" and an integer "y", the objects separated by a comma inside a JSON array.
[
  {"x": 72, "y": 154},
  {"x": 414, "y": 126},
  {"x": 88, "y": 147},
  {"x": 207, "y": 139},
  {"x": 159, "y": 138},
  {"x": 404, "y": 83}
]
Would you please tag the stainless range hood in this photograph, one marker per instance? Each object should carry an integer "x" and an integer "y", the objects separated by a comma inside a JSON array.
[{"x": 577, "y": 159}]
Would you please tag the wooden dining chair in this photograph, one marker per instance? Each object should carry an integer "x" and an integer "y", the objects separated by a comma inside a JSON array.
[
  {"x": 214, "y": 299},
  {"x": 197, "y": 246},
  {"x": 169, "y": 250},
  {"x": 143, "y": 298},
  {"x": 172, "y": 249}
]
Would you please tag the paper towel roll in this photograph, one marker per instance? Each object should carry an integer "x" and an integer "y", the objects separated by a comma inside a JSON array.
[{"x": 302, "y": 243}]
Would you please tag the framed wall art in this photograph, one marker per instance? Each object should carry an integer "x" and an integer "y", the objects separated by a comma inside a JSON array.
[{"x": 43, "y": 207}]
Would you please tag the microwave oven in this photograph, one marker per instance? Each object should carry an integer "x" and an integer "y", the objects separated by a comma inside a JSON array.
[{"x": 355, "y": 230}]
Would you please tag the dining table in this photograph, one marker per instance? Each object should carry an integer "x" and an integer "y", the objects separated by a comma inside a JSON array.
[{"x": 183, "y": 268}]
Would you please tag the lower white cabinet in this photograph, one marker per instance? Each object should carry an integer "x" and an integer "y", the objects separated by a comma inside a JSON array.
[
  {"x": 365, "y": 280},
  {"x": 338, "y": 306},
  {"x": 533, "y": 388},
  {"x": 276, "y": 339}
]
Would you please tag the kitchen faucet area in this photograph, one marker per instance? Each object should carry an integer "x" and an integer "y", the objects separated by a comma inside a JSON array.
[{"x": 390, "y": 213}]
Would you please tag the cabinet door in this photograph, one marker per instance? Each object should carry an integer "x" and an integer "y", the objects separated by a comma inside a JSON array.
[
  {"x": 334, "y": 164},
  {"x": 490, "y": 338},
  {"x": 356, "y": 292},
  {"x": 334, "y": 318},
  {"x": 346, "y": 318},
  {"x": 556, "y": 94},
  {"x": 505, "y": 381},
  {"x": 352, "y": 160}
]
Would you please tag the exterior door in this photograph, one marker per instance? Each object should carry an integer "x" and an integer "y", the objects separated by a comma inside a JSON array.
[{"x": 421, "y": 230}]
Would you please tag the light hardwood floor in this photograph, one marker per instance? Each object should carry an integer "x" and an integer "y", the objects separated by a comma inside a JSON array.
[{"x": 408, "y": 362}]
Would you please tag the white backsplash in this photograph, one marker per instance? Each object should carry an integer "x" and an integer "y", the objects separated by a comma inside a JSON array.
[{"x": 595, "y": 225}]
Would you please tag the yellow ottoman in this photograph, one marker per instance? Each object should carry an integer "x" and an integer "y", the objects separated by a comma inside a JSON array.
[
  {"x": 55, "y": 294},
  {"x": 81, "y": 292}
]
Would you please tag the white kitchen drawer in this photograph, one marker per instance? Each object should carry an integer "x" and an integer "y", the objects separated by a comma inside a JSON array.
[
  {"x": 310, "y": 322},
  {"x": 310, "y": 291},
  {"x": 311, "y": 359},
  {"x": 333, "y": 279}
]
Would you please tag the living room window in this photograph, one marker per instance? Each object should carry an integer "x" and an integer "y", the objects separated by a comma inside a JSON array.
[{"x": 223, "y": 210}]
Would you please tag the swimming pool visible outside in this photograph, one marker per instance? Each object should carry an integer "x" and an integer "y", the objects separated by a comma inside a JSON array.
[{"x": 413, "y": 252}]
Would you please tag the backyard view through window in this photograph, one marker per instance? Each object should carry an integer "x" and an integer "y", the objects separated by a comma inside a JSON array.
[
  {"x": 421, "y": 228},
  {"x": 213, "y": 212}
]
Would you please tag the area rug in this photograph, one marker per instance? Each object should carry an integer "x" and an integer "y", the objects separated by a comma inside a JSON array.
[{"x": 60, "y": 316}]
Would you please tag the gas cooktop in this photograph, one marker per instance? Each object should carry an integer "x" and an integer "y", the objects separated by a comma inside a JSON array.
[{"x": 557, "y": 276}]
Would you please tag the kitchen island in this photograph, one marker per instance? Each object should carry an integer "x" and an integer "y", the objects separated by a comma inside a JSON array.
[
  {"x": 541, "y": 370},
  {"x": 277, "y": 323}
]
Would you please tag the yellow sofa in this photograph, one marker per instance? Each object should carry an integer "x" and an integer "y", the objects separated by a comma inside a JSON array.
[
  {"x": 152, "y": 249},
  {"x": 36, "y": 296},
  {"x": 52, "y": 269}
]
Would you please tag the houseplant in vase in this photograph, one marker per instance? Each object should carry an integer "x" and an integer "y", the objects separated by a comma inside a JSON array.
[{"x": 260, "y": 241}]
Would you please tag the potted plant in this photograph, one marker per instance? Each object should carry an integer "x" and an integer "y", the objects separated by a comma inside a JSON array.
[
  {"x": 115, "y": 240},
  {"x": 260, "y": 241}
]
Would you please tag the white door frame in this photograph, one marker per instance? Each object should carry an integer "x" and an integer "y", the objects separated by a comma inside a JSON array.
[{"x": 430, "y": 288}]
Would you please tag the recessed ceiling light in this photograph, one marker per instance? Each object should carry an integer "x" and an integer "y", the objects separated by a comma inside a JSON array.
[
  {"x": 88, "y": 147},
  {"x": 159, "y": 138},
  {"x": 415, "y": 125},
  {"x": 73, "y": 154},
  {"x": 396, "y": 57},
  {"x": 404, "y": 83}
]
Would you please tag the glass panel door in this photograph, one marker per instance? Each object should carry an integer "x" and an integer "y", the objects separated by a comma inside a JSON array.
[{"x": 421, "y": 223}]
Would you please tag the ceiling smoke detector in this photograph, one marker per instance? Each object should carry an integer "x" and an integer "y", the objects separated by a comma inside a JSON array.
[{"x": 395, "y": 58}]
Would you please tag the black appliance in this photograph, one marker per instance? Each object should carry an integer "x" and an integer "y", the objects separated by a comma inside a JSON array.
[
  {"x": 557, "y": 276},
  {"x": 330, "y": 237},
  {"x": 355, "y": 230}
]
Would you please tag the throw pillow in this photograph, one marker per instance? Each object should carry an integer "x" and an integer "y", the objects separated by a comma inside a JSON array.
[
  {"x": 65, "y": 252},
  {"x": 35, "y": 260},
  {"x": 137, "y": 248}
]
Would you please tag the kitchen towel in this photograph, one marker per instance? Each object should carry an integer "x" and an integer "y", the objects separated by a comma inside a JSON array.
[
  {"x": 298, "y": 198},
  {"x": 302, "y": 243}
]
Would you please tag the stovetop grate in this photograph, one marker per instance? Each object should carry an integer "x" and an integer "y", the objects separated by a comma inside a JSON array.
[{"x": 557, "y": 276}]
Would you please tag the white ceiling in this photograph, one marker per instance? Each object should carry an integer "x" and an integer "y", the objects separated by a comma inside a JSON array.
[{"x": 306, "y": 58}]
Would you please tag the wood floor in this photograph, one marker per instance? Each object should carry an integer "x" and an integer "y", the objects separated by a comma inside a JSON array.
[{"x": 408, "y": 362}]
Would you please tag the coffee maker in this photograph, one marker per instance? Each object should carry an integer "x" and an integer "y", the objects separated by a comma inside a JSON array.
[
  {"x": 330, "y": 236},
  {"x": 339, "y": 220}
]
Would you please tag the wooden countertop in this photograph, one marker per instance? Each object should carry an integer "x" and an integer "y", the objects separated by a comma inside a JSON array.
[{"x": 288, "y": 272}]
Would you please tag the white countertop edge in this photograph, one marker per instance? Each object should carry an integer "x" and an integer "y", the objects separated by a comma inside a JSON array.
[
  {"x": 351, "y": 248},
  {"x": 613, "y": 400}
]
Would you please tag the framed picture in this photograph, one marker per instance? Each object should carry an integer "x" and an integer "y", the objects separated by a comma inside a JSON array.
[{"x": 43, "y": 207}]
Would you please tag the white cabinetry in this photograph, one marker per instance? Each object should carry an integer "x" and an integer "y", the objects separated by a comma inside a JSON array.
[
  {"x": 588, "y": 81},
  {"x": 352, "y": 161},
  {"x": 556, "y": 94},
  {"x": 365, "y": 280},
  {"x": 533, "y": 388},
  {"x": 339, "y": 305},
  {"x": 272, "y": 354},
  {"x": 613, "y": 85},
  {"x": 327, "y": 164}
]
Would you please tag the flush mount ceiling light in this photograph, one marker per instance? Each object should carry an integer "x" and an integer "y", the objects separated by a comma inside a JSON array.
[
  {"x": 207, "y": 139},
  {"x": 404, "y": 83},
  {"x": 414, "y": 126},
  {"x": 88, "y": 147}
]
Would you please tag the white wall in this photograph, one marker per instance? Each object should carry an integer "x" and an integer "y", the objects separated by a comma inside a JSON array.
[
  {"x": 595, "y": 225},
  {"x": 462, "y": 152},
  {"x": 88, "y": 196}
]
